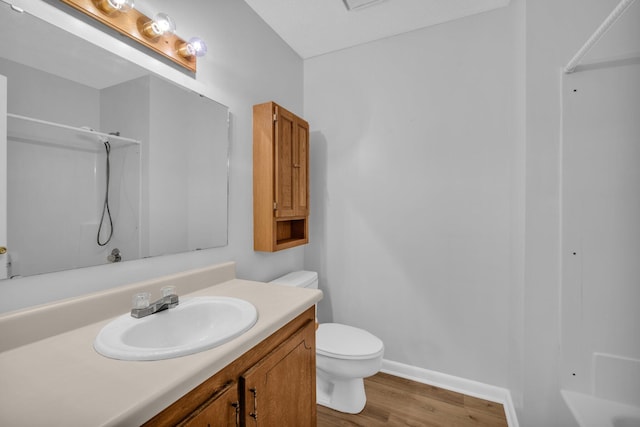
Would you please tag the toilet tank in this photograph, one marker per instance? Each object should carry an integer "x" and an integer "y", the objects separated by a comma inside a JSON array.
[{"x": 300, "y": 279}]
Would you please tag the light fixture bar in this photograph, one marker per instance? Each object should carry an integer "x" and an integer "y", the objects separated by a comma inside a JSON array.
[{"x": 131, "y": 24}]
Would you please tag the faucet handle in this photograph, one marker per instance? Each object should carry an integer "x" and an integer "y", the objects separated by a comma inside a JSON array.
[
  {"x": 141, "y": 300},
  {"x": 169, "y": 296},
  {"x": 168, "y": 290}
]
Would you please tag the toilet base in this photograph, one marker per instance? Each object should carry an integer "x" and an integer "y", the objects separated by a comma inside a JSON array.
[{"x": 343, "y": 395}]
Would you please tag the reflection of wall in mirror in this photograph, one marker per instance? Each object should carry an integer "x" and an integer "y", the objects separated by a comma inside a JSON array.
[{"x": 183, "y": 165}]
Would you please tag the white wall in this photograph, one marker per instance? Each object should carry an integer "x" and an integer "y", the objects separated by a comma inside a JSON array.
[
  {"x": 247, "y": 64},
  {"x": 414, "y": 192}
]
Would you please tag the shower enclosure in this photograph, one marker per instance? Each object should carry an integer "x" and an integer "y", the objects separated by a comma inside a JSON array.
[
  {"x": 600, "y": 369},
  {"x": 57, "y": 187}
]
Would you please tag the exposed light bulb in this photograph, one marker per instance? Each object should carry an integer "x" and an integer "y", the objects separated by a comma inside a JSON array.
[
  {"x": 161, "y": 24},
  {"x": 194, "y": 47},
  {"x": 197, "y": 46},
  {"x": 165, "y": 23},
  {"x": 112, "y": 6},
  {"x": 121, "y": 5}
]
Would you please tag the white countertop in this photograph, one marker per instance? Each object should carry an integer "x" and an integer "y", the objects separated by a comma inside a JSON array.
[{"x": 62, "y": 381}]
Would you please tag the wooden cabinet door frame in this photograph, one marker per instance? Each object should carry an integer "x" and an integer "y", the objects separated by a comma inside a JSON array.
[
  {"x": 284, "y": 159},
  {"x": 301, "y": 168},
  {"x": 280, "y": 390},
  {"x": 291, "y": 159}
]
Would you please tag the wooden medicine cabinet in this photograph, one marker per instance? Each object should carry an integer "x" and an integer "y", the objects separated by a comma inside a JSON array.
[{"x": 280, "y": 178}]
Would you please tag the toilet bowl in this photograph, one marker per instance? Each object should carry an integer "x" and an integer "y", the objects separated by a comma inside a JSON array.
[{"x": 345, "y": 355}]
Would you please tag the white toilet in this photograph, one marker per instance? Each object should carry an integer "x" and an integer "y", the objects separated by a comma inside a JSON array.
[{"x": 344, "y": 356}]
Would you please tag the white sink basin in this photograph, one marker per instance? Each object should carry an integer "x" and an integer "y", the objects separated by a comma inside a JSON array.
[{"x": 196, "y": 324}]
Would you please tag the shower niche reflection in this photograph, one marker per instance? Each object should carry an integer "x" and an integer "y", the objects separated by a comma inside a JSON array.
[{"x": 63, "y": 215}]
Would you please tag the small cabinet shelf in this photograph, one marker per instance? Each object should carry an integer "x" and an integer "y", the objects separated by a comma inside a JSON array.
[{"x": 280, "y": 178}]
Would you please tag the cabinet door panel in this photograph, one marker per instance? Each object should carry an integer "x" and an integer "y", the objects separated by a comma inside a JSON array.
[
  {"x": 281, "y": 389},
  {"x": 222, "y": 410},
  {"x": 301, "y": 169},
  {"x": 284, "y": 153}
]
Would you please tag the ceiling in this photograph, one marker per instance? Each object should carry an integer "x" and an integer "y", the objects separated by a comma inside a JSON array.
[{"x": 316, "y": 27}]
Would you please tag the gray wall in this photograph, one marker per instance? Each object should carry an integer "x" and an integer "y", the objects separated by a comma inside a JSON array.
[{"x": 413, "y": 142}]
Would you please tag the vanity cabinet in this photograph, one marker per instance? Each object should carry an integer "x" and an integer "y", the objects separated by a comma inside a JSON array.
[
  {"x": 273, "y": 384},
  {"x": 280, "y": 178}
]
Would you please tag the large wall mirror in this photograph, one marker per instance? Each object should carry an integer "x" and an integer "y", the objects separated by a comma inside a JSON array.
[{"x": 106, "y": 161}]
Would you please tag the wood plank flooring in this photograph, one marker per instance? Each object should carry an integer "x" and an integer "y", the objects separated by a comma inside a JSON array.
[{"x": 394, "y": 401}]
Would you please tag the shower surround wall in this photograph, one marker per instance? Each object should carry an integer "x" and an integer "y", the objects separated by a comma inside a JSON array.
[
  {"x": 601, "y": 236},
  {"x": 53, "y": 218}
]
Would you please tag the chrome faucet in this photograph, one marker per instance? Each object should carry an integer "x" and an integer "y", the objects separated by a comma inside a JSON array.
[{"x": 142, "y": 307}]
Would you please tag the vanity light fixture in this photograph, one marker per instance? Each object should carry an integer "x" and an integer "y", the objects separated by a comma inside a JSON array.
[
  {"x": 157, "y": 34},
  {"x": 160, "y": 24},
  {"x": 112, "y": 6},
  {"x": 194, "y": 47}
]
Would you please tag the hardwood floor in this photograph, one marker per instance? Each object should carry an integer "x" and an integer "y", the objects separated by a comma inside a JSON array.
[{"x": 394, "y": 401}]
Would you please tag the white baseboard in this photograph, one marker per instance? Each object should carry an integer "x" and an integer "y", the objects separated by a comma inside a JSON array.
[{"x": 457, "y": 384}]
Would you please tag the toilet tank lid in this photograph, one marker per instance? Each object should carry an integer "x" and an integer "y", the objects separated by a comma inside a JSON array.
[{"x": 300, "y": 279}]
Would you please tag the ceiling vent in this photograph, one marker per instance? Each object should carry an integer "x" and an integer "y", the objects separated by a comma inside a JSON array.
[{"x": 360, "y": 4}]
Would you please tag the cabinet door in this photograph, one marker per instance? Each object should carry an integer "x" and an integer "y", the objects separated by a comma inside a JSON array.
[
  {"x": 301, "y": 168},
  {"x": 221, "y": 410},
  {"x": 281, "y": 389},
  {"x": 291, "y": 165}
]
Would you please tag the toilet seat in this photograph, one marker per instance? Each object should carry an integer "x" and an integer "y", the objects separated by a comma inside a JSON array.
[{"x": 346, "y": 342}]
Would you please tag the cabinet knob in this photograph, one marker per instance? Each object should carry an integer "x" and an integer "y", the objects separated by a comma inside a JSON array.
[{"x": 3, "y": 250}]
